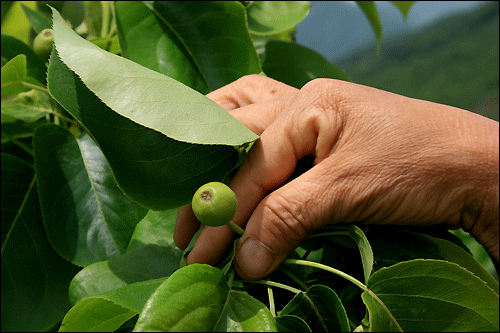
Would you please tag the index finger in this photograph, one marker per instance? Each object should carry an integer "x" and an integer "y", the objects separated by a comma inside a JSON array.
[{"x": 249, "y": 89}]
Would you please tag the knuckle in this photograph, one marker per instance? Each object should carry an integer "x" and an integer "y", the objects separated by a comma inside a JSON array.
[{"x": 285, "y": 221}]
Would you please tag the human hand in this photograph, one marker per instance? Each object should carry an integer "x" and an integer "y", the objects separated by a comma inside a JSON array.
[{"x": 380, "y": 158}]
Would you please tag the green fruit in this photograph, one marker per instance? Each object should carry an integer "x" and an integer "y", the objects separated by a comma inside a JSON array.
[
  {"x": 42, "y": 45},
  {"x": 214, "y": 204}
]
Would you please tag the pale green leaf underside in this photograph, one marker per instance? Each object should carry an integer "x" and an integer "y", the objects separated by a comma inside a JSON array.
[{"x": 147, "y": 97}]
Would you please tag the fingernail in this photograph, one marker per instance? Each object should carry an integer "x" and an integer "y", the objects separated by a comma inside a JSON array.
[{"x": 253, "y": 258}]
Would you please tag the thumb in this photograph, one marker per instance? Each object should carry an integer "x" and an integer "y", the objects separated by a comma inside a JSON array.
[{"x": 280, "y": 223}]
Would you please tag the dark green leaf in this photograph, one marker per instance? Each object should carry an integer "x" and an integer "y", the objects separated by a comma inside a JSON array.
[
  {"x": 11, "y": 47},
  {"x": 371, "y": 13},
  {"x": 430, "y": 295},
  {"x": 148, "y": 166},
  {"x": 35, "y": 278},
  {"x": 320, "y": 308},
  {"x": 267, "y": 18},
  {"x": 147, "y": 41},
  {"x": 87, "y": 218},
  {"x": 404, "y": 7},
  {"x": 227, "y": 52},
  {"x": 151, "y": 261},
  {"x": 38, "y": 20},
  {"x": 296, "y": 65},
  {"x": 288, "y": 323}
]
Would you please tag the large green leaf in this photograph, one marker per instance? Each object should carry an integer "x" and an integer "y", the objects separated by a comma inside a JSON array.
[
  {"x": 151, "y": 261},
  {"x": 107, "y": 311},
  {"x": 156, "y": 171},
  {"x": 14, "y": 73},
  {"x": 320, "y": 308},
  {"x": 430, "y": 295},
  {"x": 87, "y": 218},
  {"x": 215, "y": 36},
  {"x": 197, "y": 298},
  {"x": 147, "y": 97},
  {"x": 145, "y": 40},
  {"x": 35, "y": 278},
  {"x": 294, "y": 64},
  {"x": 267, "y": 18}
]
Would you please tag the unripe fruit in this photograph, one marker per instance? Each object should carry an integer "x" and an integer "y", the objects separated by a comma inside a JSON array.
[
  {"x": 214, "y": 204},
  {"x": 42, "y": 45}
]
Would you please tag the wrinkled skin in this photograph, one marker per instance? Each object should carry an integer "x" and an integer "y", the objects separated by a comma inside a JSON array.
[{"x": 380, "y": 158}]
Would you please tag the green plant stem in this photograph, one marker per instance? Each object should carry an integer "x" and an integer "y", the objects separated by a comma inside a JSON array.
[
  {"x": 279, "y": 285},
  {"x": 236, "y": 228},
  {"x": 328, "y": 269},
  {"x": 272, "y": 306},
  {"x": 105, "y": 18},
  {"x": 19, "y": 143}
]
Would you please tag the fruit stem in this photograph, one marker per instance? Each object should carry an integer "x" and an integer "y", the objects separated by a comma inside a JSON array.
[{"x": 236, "y": 228}]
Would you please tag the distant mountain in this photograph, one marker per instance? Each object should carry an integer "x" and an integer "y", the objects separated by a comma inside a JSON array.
[
  {"x": 335, "y": 28},
  {"x": 454, "y": 61}
]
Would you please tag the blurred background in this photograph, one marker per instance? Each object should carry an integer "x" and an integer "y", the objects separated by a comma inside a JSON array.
[{"x": 445, "y": 52}]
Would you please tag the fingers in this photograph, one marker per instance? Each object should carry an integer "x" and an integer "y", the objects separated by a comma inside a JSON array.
[
  {"x": 269, "y": 164},
  {"x": 248, "y": 90},
  {"x": 280, "y": 223},
  {"x": 185, "y": 227}
]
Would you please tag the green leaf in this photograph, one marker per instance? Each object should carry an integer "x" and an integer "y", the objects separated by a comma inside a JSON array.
[
  {"x": 294, "y": 64},
  {"x": 86, "y": 216},
  {"x": 273, "y": 17},
  {"x": 155, "y": 226},
  {"x": 147, "y": 41},
  {"x": 17, "y": 176},
  {"x": 243, "y": 313},
  {"x": 365, "y": 249},
  {"x": 191, "y": 299},
  {"x": 107, "y": 311},
  {"x": 404, "y": 7},
  {"x": 38, "y": 20},
  {"x": 147, "y": 97},
  {"x": 151, "y": 261},
  {"x": 226, "y": 52},
  {"x": 430, "y": 295},
  {"x": 27, "y": 106},
  {"x": 12, "y": 47},
  {"x": 320, "y": 308},
  {"x": 289, "y": 323},
  {"x": 197, "y": 298},
  {"x": 370, "y": 10},
  {"x": 454, "y": 253},
  {"x": 35, "y": 278},
  {"x": 148, "y": 166}
]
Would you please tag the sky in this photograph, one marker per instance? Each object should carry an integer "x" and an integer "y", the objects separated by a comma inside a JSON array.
[{"x": 336, "y": 28}]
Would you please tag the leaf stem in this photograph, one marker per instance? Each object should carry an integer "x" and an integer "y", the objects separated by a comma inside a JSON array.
[
  {"x": 105, "y": 18},
  {"x": 236, "y": 228},
  {"x": 328, "y": 269},
  {"x": 272, "y": 306},
  {"x": 279, "y": 285}
]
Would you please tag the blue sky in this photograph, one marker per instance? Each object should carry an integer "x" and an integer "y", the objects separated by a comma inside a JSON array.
[{"x": 336, "y": 28}]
